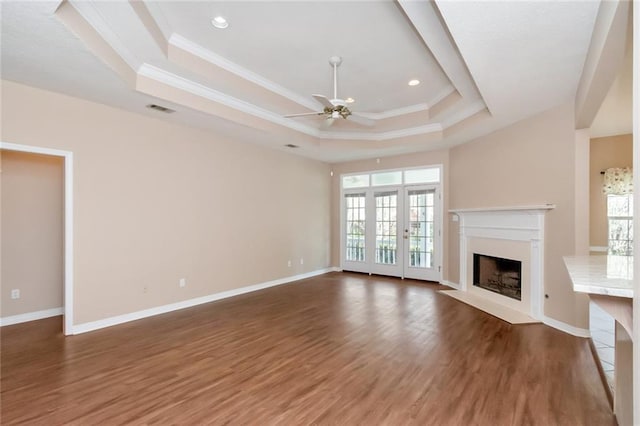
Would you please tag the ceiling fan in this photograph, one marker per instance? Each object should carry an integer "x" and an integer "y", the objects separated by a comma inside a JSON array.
[{"x": 335, "y": 108}]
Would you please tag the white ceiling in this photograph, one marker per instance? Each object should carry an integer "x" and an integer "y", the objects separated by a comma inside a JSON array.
[{"x": 483, "y": 65}]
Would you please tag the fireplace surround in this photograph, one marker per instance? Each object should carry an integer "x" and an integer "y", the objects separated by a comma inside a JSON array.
[{"x": 513, "y": 233}]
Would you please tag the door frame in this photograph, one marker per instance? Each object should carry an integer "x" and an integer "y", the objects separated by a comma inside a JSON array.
[
  {"x": 438, "y": 220},
  {"x": 403, "y": 187},
  {"x": 68, "y": 222}
]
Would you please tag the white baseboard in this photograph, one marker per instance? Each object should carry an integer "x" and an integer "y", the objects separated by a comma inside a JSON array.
[
  {"x": 335, "y": 269},
  {"x": 598, "y": 249},
  {"x": 575, "y": 331},
  {"x": 31, "y": 316},
  {"x": 450, "y": 284},
  {"x": 120, "y": 319}
]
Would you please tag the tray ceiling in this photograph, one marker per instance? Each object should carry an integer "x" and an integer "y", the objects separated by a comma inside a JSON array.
[{"x": 482, "y": 65}]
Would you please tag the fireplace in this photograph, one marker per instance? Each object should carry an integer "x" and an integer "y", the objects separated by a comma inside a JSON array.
[
  {"x": 515, "y": 236},
  {"x": 497, "y": 274}
]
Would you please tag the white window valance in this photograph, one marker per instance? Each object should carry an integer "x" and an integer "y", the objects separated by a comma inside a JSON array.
[{"x": 618, "y": 181}]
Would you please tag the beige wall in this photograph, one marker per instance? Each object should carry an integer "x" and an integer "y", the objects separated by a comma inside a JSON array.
[
  {"x": 156, "y": 202},
  {"x": 530, "y": 162},
  {"x": 32, "y": 232},
  {"x": 612, "y": 151},
  {"x": 387, "y": 163}
]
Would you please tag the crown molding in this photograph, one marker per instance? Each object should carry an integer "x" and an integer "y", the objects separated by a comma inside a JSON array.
[
  {"x": 213, "y": 58},
  {"x": 157, "y": 15},
  {"x": 198, "y": 89},
  {"x": 464, "y": 113},
  {"x": 181, "y": 83},
  {"x": 383, "y": 136},
  {"x": 446, "y": 91},
  {"x": 94, "y": 18},
  {"x": 395, "y": 112},
  {"x": 203, "y": 53}
]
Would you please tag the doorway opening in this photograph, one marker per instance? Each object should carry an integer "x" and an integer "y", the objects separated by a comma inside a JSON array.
[{"x": 67, "y": 234}]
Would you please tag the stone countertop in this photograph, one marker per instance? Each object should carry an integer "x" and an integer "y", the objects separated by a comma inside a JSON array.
[{"x": 601, "y": 274}]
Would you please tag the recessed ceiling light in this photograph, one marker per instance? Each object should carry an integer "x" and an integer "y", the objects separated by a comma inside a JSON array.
[
  {"x": 349, "y": 100},
  {"x": 414, "y": 82},
  {"x": 219, "y": 22}
]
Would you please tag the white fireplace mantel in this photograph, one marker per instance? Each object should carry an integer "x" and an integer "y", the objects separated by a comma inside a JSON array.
[{"x": 516, "y": 223}]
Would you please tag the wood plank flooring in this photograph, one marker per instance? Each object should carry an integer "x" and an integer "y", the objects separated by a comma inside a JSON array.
[{"x": 341, "y": 348}]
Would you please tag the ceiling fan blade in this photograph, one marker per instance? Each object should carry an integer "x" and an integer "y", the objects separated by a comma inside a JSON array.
[
  {"x": 363, "y": 121},
  {"x": 323, "y": 100},
  {"x": 303, "y": 114}
]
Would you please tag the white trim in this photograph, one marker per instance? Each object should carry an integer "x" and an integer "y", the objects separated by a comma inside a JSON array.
[
  {"x": 33, "y": 149},
  {"x": 464, "y": 113},
  {"x": 446, "y": 91},
  {"x": 366, "y": 267},
  {"x": 599, "y": 249},
  {"x": 519, "y": 223},
  {"x": 181, "y": 83},
  {"x": 500, "y": 209},
  {"x": 410, "y": 109},
  {"x": 68, "y": 222},
  {"x": 178, "y": 82},
  {"x": 382, "y": 136},
  {"x": 213, "y": 58},
  {"x": 31, "y": 316},
  {"x": 562, "y": 326},
  {"x": 197, "y": 50},
  {"x": 450, "y": 284},
  {"x": 636, "y": 214},
  {"x": 155, "y": 12},
  {"x": 97, "y": 21},
  {"x": 133, "y": 316}
]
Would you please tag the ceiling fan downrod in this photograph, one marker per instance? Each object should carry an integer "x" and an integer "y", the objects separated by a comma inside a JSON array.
[{"x": 335, "y": 61}]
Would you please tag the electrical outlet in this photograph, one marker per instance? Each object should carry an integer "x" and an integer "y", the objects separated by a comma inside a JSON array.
[
  {"x": 15, "y": 293},
  {"x": 289, "y": 264},
  {"x": 183, "y": 282},
  {"x": 302, "y": 261},
  {"x": 145, "y": 289}
]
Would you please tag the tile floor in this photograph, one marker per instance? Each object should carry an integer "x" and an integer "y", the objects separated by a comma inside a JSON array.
[{"x": 602, "y": 327}]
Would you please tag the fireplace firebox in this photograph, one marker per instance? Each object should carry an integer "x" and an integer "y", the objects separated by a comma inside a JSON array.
[{"x": 497, "y": 274}]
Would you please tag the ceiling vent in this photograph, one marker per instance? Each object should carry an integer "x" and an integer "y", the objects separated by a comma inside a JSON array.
[
  {"x": 290, "y": 145},
  {"x": 160, "y": 108}
]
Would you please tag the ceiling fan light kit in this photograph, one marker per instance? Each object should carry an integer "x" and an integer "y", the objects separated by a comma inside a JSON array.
[{"x": 335, "y": 108}]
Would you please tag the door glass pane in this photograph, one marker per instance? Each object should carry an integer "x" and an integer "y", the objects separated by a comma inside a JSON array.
[
  {"x": 421, "y": 216},
  {"x": 355, "y": 227},
  {"x": 386, "y": 232}
]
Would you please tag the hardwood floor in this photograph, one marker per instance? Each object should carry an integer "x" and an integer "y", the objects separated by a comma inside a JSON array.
[{"x": 336, "y": 349}]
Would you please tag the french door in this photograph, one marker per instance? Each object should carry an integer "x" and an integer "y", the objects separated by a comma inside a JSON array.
[{"x": 393, "y": 231}]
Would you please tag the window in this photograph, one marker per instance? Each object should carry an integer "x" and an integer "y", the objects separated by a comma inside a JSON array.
[
  {"x": 429, "y": 175},
  {"x": 386, "y": 178},
  {"x": 359, "y": 181},
  {"x": 620, "y": 215}
]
